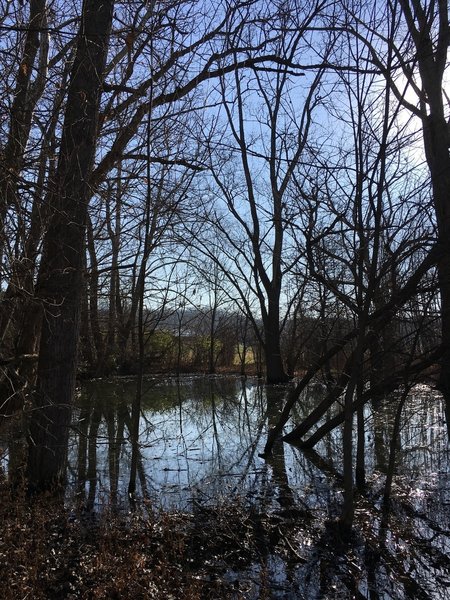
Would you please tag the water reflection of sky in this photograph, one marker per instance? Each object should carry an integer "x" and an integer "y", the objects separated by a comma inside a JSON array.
[
  {"x": 200, "y": 438},
  {"x": 199, "y": 444}
]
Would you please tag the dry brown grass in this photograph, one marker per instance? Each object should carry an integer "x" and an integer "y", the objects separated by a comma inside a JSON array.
[{"x": 47, "y": 552}]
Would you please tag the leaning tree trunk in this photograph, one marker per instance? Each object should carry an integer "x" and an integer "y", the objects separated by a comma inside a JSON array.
[{"x": 60, "y": 278}]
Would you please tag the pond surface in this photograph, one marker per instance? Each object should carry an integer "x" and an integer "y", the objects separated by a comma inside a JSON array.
[
  {"x": 258, "y": 523},
  {"x": 199, "y": 443}
]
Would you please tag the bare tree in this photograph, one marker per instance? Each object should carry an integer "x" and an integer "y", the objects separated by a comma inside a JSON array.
[
  {"x": 266, "y": 137},
  {"x": 365, "y": 225},
  {"x": 416, "y": 35},
  {"x": 60, "y": 278}
]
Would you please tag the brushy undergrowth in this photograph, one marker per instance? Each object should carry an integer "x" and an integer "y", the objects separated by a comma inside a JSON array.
[{"x": 50, "y": 552}]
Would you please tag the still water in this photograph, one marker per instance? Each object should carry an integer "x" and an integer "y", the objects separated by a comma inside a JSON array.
[{"x": 199, "y": 443}]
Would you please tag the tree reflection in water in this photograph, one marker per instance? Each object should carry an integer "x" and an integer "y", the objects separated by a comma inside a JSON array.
[{"x": 199, "y": 443}]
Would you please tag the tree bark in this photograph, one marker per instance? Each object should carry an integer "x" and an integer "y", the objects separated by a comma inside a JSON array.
[
  {"x": 275, "y": 372},
  {"x": 60, "y": 278},
  {"x": 431, "y": 60}
]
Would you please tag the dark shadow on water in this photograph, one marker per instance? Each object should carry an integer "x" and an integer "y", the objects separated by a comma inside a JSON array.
[{"x": 273, "y": 520}]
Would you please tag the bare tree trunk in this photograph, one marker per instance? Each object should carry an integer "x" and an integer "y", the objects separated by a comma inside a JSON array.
[
  {"x": 360, "y": 471},
  {"x": 275, "y": 372},
  {"x": 393, "y": 449},
  {"x": 437, "y": 143},
  {"x": 87, "y": 350},
  {"x": 149, "y": 230},
  {"x": 60, "y": 277},
  {"x": 212, "y": 338},
  {"x": 108, "y": 359},
  {"x": 18, "y": 299},
  {"x": 93, "y": 297},
  {"x": 26, "y": 94},
  {"x": 429, "y": 32},
  {"x": 348, "y": 508}
]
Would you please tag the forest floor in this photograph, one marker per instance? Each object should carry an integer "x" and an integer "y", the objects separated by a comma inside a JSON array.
[{"x": 49, "y": 552}]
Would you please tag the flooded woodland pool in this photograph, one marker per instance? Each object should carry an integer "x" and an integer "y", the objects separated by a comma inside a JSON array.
[{"x": 200, "y": 439}]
